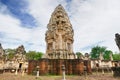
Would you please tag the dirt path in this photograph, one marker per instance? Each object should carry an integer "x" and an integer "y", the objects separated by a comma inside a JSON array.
[{"x": 12, "y": 76}]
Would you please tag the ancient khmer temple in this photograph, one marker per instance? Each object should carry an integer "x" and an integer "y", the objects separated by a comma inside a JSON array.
[
  {"x": 59, "y": 36},
  {"x": 59, "y": 48}
]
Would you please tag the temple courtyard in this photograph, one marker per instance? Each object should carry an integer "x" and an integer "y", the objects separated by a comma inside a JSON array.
[{"x": 94, "y": 76}]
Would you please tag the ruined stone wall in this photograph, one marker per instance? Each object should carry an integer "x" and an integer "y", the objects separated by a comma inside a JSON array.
[
  {"x": 32, "y": 66},
  {"x": 54, "y": 66},
  {"x": 43, "y": 66}
]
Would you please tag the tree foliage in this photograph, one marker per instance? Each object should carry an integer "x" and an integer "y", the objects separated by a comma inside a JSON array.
[
  {"x": 38, "y": 55},
  {"x": 10, "y": 53},
  {"x": 95, "y": 52},
  {"x": 79, "y": 54},
  {"x": 33, "y": 55},
  {"x": 107, "y": 54},
  {"x": 116, "y": 56}
]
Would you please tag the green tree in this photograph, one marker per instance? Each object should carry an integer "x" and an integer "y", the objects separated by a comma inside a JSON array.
[
  {"x": 38, "y": 55},
  {"x": 95, "y": 52},
  {"x": 79, "y": 54},
  {"x": 116, "y": 56},
  {"x": 30, "y": 55},
  {"x": 107, "y": 54},
  {"x": 10, "y": 53},
  {"x": 33, "y": 55}
]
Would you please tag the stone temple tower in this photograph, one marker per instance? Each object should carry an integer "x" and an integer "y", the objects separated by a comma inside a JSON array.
[{"x": 59, "y": 36}]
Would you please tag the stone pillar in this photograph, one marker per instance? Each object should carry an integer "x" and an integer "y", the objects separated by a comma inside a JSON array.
[
  {"x": 23, "y": 72},
  {"x": 66, "y": 46},
  {"x": 71, "y": 48},
  {"x": 103, "y": 72},
  {"x": 37, "y": 74},
  {"x": 60, "y": 41},
  {"x": 16, "y": 72},
  {"x": 63, "y": 69},
  {"x": 53, "y": 45},
  {"x": 54, "y": 55}
]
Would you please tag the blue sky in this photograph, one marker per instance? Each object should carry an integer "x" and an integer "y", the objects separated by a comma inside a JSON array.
[
  {"x": 24, "y": 22},
  {"x": 18, "y": 10}
]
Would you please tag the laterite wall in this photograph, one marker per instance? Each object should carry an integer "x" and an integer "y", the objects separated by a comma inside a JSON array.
[{"x": 54, "y": 66}]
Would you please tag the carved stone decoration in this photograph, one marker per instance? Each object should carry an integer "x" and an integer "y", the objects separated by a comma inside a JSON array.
[
  {"x": 19, "y": 58},
  {"x": 86, "y": 56},
  {"x": 2, "y": 52},
  {"x": 117, "y": 40},
  {"x": 20, "y": 53},
  {"x": 20, "y": 50},
  {"x": 59, "y": 36}
]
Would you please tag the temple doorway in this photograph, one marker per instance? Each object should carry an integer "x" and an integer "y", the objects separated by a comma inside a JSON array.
[{"x": 20, "y": 65}]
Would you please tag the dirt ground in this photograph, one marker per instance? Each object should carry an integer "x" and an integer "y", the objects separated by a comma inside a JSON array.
[{"x": 12, "y": 76}]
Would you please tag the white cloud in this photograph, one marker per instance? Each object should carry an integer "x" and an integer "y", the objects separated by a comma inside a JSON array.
[
  {"x": 14, "y": 34},
  {"x": 96, "y": 20}
]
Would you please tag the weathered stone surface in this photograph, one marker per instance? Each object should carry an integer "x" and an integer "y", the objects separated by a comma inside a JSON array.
[
  {"x": 101, "y": 63},
  {"x": 18, "y": 61},
  {"x": 20, "y": 58},
  {"x": 59, "y": 52},
  {"x": 2, "y": 52},
  {"x": 86, "y": 56},
  {"x": 20, "y": 53},
  {"x": 20, "y": 50},
  {"x": 117, "y": 40},
  {"x": 54, "y": 66},
  {"x": 43, "y": 66},
  {"x": 59, "y": 36},
  {"x": 32, "y": 66}
]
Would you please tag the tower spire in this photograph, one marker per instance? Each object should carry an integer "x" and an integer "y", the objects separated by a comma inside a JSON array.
[{"x": 59, "y": 36}]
